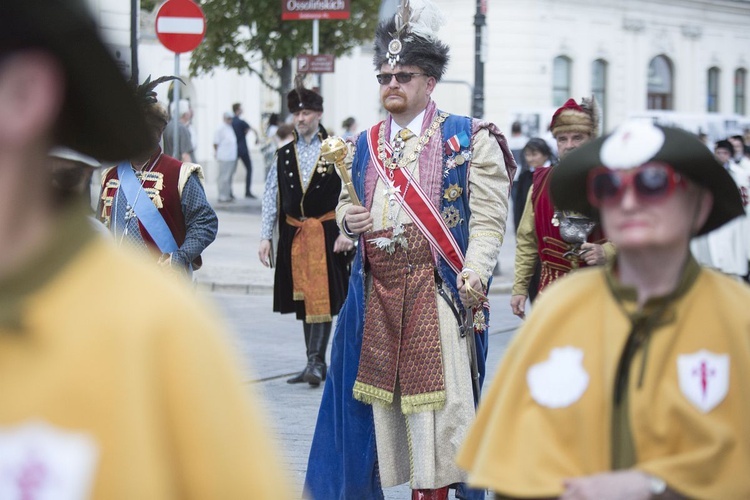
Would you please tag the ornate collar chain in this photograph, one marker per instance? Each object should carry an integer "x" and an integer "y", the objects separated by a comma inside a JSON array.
[{"x": 393, "y": 162}]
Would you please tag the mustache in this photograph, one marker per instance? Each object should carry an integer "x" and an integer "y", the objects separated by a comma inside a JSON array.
[{"x": 395, "y": 92}]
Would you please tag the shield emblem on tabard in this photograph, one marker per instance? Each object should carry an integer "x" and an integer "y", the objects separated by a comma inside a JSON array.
[{"x": 704, "y": 378}]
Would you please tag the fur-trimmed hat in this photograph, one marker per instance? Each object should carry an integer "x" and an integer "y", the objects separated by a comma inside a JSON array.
[
  {"x": 410, "y": 39},
  {"x": 635, "y": 143},
  {"x": 574, "y": 117},
  {"x": 301, "y": 98}
]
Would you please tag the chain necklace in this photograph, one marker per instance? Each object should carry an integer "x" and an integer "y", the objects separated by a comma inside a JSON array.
[
  {"x": 398, "y": 161},
  {"x": 129, "y": 210},
  {"x": 393, "y": 163}
]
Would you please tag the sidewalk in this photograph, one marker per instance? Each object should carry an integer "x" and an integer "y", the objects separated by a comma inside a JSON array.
[{"x": 231, "y": 264}]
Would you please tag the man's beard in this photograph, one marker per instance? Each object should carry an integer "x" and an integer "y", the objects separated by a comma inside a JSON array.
[{"x": 395, "y": 106}]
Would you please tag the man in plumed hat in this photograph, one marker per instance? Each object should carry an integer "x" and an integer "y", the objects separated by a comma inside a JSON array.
[
  {"x": 179, "y": 223},
  {"x": 311, "y": 261},
  {"x": 115, "y": 380},
  {"x": 408, "y": 355},
  {"x": 538, "y": 239},
  {"x": 629, "y": 380}
]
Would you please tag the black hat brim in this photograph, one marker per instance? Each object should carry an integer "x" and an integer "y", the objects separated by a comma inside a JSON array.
[
  {"x": 100, "y": 116},
  {"x": 683, "y": 151}
]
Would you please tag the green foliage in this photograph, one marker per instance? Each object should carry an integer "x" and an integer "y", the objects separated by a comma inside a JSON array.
[
  {"x": 150, "y": 5},
  {"x": 243, "y": 31}
]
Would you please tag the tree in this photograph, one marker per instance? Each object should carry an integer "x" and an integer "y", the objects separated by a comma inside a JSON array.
[{"x": 241, "y": 32}]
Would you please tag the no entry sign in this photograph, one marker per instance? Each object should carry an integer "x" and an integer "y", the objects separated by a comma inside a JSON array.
[{"x": 180, "y": 25}]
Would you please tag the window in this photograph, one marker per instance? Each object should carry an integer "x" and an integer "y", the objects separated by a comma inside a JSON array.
[
  {"x": 712, "y": 104},
  {"x": 561, "y": 69},
  {"x": 660, "y": 90},
  {"x": 740, "y": 84},
  {"x": 599, "y": 87}
]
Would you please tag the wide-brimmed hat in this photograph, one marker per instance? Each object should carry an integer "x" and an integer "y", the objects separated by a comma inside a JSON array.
[
  {"x": 637, "y": 142},
  {"x": 100, "y": 116}
]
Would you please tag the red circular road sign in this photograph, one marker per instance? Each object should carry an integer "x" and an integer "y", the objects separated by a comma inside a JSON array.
[{"x": 180, "y": 25}]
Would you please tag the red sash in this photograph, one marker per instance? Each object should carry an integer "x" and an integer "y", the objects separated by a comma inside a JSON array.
[{"x": 417, "y": 204}]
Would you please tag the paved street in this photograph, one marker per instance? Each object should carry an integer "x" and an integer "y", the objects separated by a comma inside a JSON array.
[{"x": 270, "y": 345}]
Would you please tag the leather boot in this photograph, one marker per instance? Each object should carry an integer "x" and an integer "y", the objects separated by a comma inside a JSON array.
[
  {"x": 298, "y": 379},
  {"x": 316, "y": 368},
  {"x": 438, "y": 494}
]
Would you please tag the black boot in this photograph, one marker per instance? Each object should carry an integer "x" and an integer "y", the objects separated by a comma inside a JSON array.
[
  {"x": 315, "y": 372},
  {"x": 298, "y": 379}
]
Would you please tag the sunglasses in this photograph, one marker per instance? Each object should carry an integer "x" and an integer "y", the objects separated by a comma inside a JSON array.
[
  {"x": 652, "y": 182},
  {"x": 385, "y": 78}
]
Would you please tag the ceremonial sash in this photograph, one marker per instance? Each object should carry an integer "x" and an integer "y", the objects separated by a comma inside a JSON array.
[
  {"x": 417, "y": 204},
  {"x": 144, "y": 209}
]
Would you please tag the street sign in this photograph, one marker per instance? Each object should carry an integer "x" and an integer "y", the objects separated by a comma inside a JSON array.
[
  {"x": 320, "y": 63},
  {"x": 293, "y": 10},
  {"x": 180, "y": 25}
]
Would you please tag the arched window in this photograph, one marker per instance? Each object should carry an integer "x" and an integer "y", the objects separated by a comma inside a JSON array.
[
  {"x": 712, "y": 103},
  {"x": 660, "y": 89},
  {"x": 740, "y": 84},
  {"x": 599, "y": 87},
  {"x": 561, "y": 70}
]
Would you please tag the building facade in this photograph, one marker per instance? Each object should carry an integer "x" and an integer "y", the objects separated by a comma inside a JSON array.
[{"x": 680, "y": 61}]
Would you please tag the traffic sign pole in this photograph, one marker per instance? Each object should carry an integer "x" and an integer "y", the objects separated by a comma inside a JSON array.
[
  {"x": 180, "y": 27},
  {"x": 176, "y": 96}
]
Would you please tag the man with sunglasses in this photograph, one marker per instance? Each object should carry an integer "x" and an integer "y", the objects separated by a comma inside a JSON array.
[
  {"x": 538, "y": 239},
  {"x": 410, "y": 344},
  {"x": 630, "y": 380}
]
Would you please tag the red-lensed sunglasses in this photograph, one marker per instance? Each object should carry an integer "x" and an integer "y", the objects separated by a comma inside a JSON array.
[{"x": 652, "y": 182}]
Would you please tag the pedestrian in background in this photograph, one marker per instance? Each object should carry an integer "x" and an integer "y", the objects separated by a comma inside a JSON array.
[
  {"x": 628, "y": 381},
  {"x": 225, "y": 152},
  {"x": 285, "y": 134},
  {"x": 184, "y": 151},
  {"x": 241, "y": 128},
  {"x": 727, "y": 248},
  {"x": 312, "y": 262},
  {"x": 116, "y": 381},
  {"x": 270, "y": 141},
  {"x": 349, "y": 127}
]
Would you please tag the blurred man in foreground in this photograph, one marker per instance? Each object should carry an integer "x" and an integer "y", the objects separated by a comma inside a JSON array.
[
  {"x": 629, "y": 381},
  {"x": 115, "y": 383}
]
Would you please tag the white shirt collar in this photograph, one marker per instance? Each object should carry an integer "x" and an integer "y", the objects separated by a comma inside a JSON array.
[{"x": 415, "y": 126}]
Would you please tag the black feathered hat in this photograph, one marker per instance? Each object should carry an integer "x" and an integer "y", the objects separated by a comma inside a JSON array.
[
  {"x": 635, "y": 143},
  {"x": 410, "y": 39},
  {"x": 301, "y": 98},
  {"x": 100, "y": 116}
]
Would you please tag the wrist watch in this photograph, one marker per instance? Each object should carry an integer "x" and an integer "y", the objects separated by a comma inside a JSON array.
[{"x": 656, "y": 486}]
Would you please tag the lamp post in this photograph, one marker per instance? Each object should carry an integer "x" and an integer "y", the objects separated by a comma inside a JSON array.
[
  {"x": 477, "y": 107},
  {"x": 134, "y": 10}
]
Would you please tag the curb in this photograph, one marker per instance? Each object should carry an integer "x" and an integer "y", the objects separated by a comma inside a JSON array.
[{"x": 248, "y": 289}]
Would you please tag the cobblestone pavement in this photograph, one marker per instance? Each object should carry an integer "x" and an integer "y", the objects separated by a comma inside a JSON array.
[{"x": 270, "y": 346}]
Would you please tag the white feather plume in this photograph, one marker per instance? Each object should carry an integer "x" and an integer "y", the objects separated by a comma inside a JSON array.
[{"x": 425, "y": 20}]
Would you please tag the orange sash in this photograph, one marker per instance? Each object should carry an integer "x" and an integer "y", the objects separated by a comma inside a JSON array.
[{"x": 310, "y": 267}]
